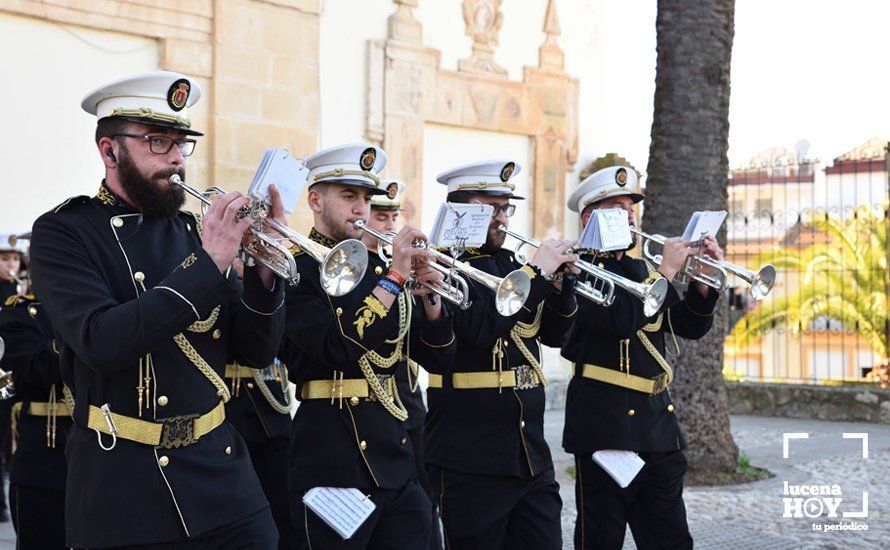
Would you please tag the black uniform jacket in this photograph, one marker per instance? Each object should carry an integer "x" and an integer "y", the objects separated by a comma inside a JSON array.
[
  {"x": 118, "y": 289},
  {"x": 351, "y": 443},
  {"x": 31, "y": 357},
  {"x": 598, "y": 414},
  {"x": 251, "y": 412},
  {"x": 7, "y": 289},
  {"x": 492, "y": 431}
]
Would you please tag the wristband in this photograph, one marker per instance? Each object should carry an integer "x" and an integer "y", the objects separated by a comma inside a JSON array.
[
  {"x": 390, "y": 287},
  {"x": 396, "y": 277}
]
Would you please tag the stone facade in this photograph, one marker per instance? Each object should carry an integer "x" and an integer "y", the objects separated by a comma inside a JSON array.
[
  {"x": 257, "y": 62},
  {"x": 847, "y": 403}
]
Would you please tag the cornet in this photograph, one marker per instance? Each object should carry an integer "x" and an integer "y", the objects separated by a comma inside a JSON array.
[
  {"x": 761, "y": 281},
  {"x": 511, "y": 291},
  {"x": 7, "y": 388},
  {"x": 602, "y": 290},
  {"x": 340, "y": 268}
]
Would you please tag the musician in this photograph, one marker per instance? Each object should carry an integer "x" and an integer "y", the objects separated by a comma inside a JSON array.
[
  {"x": 385, "y": 212},
  {"x": 147, "y": 311},
  {"x": 41, "y": 419},
  {"x": 488, "y": 461},
  {"x": 260, "y": 410},
  {"x": 11, "y": 257},
  {"x": 350, "y": 429},
  {"x": 618, "y": 398}
]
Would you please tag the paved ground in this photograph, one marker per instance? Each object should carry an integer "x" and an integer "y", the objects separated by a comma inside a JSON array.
[{"x": 750, "y": 516}]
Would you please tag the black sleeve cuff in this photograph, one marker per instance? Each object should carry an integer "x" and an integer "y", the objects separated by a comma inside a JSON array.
[{"x": 257, "y": 298}]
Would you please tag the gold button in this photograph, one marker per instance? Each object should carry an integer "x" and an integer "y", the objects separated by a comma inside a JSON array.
[
  {"x": 32, "y": 311},
  {"x": 363, "y": 445},
  {"x": 378, "y": 270},
  {"x": 602, "y": 265},
  {"x": 404, "y": 440},
  {"x": 250, "y": 385},
  {"x": 228, "y": 450},
  {"x": 162, "y": 400},
  {"x": 216, "y": 334},
  {"x": 353, "y": 401},
  {"x": 670, "y": 408},
  {"x": 631, "y": 412},
  {"x": 506, "y": 344},
  {"x": 117, "y": 222},
  {"x": 139, "y": 276},
  {"x": 339, "y": 311},
  {"x": 163, "y": 461},
  {"x": 522, "y": 424}
]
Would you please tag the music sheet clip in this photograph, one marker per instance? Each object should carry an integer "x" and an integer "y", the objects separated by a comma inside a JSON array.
[{"x": 344, "y": 510}]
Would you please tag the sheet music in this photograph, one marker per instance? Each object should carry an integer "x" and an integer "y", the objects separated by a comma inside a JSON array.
[
  {"x": 287, "y": 173},
  {"x": 704, "y": 223},
  {"x": 622, "y": 466},
  {"x": 607, "y": 230},
  {"x": 462, "y": 225},
  {"x": 343, "y": 510}
]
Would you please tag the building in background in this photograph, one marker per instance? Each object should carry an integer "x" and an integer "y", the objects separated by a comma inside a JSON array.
[{"x": 771, "y": 199}]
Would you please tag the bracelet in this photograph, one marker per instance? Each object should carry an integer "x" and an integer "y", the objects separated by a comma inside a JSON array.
[
  {"x": 396, "y": 277},
  {"x": 390, "y": 287}
]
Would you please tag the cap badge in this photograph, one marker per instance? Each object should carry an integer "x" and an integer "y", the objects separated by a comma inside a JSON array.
[
  {"x": 392, "y": 190},
  {"x": 178, "y": 94},
  {"x": 621, "y": 177},
  {"x": 368, "y": 158},
  {"x": 507, "y": 171},
  {"x": 13, "y": 239}
]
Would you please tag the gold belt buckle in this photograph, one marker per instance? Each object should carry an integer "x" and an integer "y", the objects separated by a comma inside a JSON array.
[
  {"x": 525, "y": 378},
  {"x": 661, "y": 383},
  {"x": 178, "y": 431}
]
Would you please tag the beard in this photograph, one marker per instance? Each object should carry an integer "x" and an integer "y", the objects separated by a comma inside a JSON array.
[
  {"x": 340, "y": 231},
  {"x": 155, "y": 200},
  {"x": 495, "y": 239}
]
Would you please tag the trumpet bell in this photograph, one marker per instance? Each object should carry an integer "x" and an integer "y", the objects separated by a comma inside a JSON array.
[
  {"x": 512, "y": 292},
  {"x": 762, "y": 282},
  {"x": 654, "y": 297},
  {"x": 343, "y": 267}
]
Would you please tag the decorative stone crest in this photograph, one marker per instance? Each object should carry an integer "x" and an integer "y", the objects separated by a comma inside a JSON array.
[
  {"x": 550, "y": 55},
  {"x": 483, "y": 19}
]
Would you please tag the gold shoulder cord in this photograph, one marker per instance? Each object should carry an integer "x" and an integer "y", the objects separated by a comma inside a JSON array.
[
  {"x": 392, "y": 403},
  {"x": 192, "y": 355},
  {"x": 654, "y": 327},
  {"x": 525, "y": 330},
  {"x": 267, "y": 393}
]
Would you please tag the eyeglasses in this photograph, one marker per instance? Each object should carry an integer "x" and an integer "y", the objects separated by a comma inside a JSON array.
[
  {"x": 507, "y": 209},
  {"x": 161, "y": 145}
]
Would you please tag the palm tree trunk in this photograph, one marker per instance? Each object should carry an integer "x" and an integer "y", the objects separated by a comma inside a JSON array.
[{"x": 687, "y": 171}]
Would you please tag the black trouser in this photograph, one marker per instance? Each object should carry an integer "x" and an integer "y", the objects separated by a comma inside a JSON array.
[
  {"x": 401, "y": 521},
  {"x": 5, "y": 445},
  {"x": 652, "y": 504},
  {"x": 491, "y": 512},
  {"x": 256, "y": 532},
  {"x": 416, "y": 437},
  {"x": 270, "y": 462},
  {"x": 38, "y": 516}
]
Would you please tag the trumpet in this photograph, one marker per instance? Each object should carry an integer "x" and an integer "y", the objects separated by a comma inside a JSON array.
[
  {"x": 511, "y": 291},
  {"x": 7, "y": 388},
  {"x": 602, "y": 290},
  {"x": 760, "y": 281},
  {"x": 340, "y": 267}
]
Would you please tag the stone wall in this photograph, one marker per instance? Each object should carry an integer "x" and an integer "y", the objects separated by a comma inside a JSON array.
[
  {"x": 256, "y": 60},
  {"x": 851, "y": 403}
]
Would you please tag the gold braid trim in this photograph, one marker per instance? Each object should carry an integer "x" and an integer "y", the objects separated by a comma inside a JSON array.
[
  {"x": 206, "y": 324},
  {"x": 267, "y": 393},
  {"x": 524, "y": 330},
  {"x": 655, "y": 325},
  {"x": 392, "y": 403},
  {"x": 659, "y": 358},
  {"x": 192, "y": 355},
  {"x": 68, "y": 399}
]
